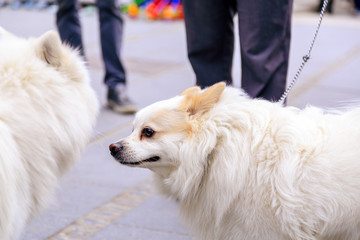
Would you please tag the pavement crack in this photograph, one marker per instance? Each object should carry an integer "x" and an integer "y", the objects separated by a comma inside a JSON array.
[{"x": 310, "y": 82}]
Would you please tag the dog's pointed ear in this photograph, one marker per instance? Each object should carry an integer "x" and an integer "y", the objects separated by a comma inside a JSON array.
[
  {"x": 48, "y": 48},
  {"x": 195, "y": 89},
  {"x": 199, "y": 102}
]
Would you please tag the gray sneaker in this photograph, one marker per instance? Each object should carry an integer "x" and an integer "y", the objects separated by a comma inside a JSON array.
[{"x": 119, "y": 102}]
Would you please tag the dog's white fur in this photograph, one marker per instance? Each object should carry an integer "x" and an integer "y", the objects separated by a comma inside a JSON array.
[
  {"x": 250, "y": 169},
  {"x": 47, "y": 113}
]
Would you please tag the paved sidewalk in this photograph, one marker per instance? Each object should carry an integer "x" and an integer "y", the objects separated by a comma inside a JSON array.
[{"x": 99, "y": 198}]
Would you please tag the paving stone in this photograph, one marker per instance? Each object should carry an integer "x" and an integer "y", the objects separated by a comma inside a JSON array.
[
  {"x": 157, "y": 214},
  {"x": 120, "y": 232}
]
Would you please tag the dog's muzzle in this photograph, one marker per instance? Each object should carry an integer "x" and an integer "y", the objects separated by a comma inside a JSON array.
[{"x": 117, "y": 150}]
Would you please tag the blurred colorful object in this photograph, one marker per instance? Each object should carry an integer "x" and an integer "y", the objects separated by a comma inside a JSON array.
[
  {"x": 155, "y": 9},
  {"x": 133, "y": 10}
]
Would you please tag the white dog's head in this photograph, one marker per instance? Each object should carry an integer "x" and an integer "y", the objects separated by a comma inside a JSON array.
[
  {"x": 162, "y": 131},
  {"x": 46, "y": 94}
]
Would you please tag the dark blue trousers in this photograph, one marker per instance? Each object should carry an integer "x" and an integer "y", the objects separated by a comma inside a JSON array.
[
  {"x": 264, "y": 28},
  {"x": 111, "y": 26}
]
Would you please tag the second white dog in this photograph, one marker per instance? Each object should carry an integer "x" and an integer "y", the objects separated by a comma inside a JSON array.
[
  {"x": 47, "y": 113},
  {"x": 251, "y": 169}
]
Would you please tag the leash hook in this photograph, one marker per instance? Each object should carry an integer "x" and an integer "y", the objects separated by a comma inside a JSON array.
[{"x": 305, "y": 58}]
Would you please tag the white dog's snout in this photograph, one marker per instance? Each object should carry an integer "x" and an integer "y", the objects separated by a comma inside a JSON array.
[{"x": 116, "y": 148}]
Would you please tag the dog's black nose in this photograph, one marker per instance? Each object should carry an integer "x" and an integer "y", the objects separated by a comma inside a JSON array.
[{"x": 115, "y": 148}]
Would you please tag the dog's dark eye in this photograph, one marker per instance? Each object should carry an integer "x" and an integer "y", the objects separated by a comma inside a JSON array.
[{"x": 147, "y": 132}]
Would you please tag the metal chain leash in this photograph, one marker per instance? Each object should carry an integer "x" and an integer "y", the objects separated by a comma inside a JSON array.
[{"x": 305, "y": 58}]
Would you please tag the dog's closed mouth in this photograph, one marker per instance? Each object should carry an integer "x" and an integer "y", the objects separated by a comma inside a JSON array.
[{"x": 152, "y": 159}]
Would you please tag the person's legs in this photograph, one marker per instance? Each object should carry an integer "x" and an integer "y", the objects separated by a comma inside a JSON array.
[
  {"x": 210, "y": 39},
  {"x": 68, "y": 23},
  {"x": 111, "y": 28},
  {"x": 357, "y": 5},
  {"x": 264, "y": 28}
]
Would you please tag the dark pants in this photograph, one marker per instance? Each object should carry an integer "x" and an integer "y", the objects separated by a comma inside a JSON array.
[
  {"x": 111, "y": 26},
  {"x": 357, "y": 5},
  {"x": 264, "y": 28}
]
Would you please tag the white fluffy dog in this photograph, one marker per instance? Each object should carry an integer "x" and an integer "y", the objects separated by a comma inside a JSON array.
[
  {"x": 251, "y": 169},
  {"x": 47, "y": 113}
]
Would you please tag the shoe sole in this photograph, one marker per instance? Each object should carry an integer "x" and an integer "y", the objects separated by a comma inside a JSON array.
[{"x": 126, "y": 109}]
